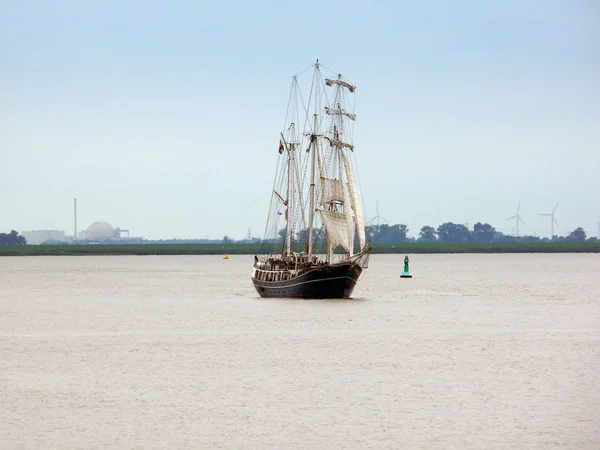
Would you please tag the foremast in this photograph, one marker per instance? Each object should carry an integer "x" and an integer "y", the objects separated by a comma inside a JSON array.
[
  {"x": 289, "y": 212},
  {"x": 339, "y": 197}
]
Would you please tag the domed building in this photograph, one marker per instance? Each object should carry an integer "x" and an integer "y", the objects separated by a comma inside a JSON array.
[{"x": 100, "y": 231}]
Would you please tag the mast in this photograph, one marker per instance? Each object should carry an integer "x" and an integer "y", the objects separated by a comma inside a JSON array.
[
  {"x": 338, "y": 132},
  {"x": 312, "y": 186},
  {"x": 290, "y": 200},
  {"x": 349, "y": 196},
  {"x": 347, "y": 201},
  {"x": 75, "y": 218}
]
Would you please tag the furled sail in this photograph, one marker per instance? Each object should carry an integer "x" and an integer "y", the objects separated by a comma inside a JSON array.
[
  {"x": 339, "y": 112},
  {"x": 338, "y": 143},
  {"x": 330, "y": 82},
  {"x": 337, "y": 229},
  {"x": 356, "y": 203}
]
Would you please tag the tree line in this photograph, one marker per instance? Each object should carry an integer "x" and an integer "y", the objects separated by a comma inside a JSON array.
[
  {"x": 446, "y": 232},
  {"x": 456, "y": 233},
  {"x": 12, "y": 238}
]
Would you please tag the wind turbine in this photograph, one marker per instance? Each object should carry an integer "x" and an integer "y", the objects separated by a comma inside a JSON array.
[
  {"x": 552, "y": 220},
  {"x": 377, "y": 217},
  {"x": 517, "y": 217}
]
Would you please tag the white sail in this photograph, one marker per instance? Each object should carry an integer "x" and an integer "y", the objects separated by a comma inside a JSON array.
[
  {"x": 332, "y": 190},
  {"x": 337, "y": 229},
  {"x": 349, "y": 220},
  {"x": 356, "y": 203}
]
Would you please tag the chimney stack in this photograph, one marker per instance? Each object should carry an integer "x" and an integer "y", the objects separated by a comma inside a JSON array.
[{"x": 75, "y": 217}]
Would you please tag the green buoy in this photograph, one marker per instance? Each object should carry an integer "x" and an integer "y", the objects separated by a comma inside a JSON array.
[{"x": 406, "y": 273}]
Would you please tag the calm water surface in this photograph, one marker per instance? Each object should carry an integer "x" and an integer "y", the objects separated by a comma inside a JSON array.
[{"x": 475, "y": 351}]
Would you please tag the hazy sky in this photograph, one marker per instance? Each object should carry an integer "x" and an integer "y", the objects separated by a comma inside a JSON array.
[{"x": 164, "y": 117}]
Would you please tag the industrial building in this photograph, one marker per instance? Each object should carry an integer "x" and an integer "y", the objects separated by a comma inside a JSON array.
[
  {"x": 98, "y": 232},
  {"x": 101, "y": 231},
  {"x": 36, "y": 237}
]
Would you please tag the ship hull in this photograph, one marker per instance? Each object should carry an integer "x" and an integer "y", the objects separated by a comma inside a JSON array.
[{"x": 328, "y": 281}]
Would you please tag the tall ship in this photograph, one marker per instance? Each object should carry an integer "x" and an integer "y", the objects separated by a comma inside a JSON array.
[{"x": 314, "y": 244}]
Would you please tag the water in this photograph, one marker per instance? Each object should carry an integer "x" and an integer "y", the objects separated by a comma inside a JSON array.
[{"x": 475, "y": 351}]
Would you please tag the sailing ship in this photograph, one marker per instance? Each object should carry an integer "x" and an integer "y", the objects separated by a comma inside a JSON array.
[{"x": 314, "y": 244}]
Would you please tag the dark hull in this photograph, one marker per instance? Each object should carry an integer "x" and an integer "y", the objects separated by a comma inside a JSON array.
[{"x": 335, "y": 281}]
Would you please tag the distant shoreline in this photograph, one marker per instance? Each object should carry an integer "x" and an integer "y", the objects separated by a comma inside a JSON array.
[{"x": 252, "y": 249}]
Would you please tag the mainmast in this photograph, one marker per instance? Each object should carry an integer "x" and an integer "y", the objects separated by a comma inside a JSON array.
[
  {"x": 313, "y": 158},
  {"x": 289, "y": 213},
  {"x": 313, "y": 139}
]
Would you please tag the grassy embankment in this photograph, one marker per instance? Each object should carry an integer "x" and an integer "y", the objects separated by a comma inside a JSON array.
[{"x": 251, "y": 249}]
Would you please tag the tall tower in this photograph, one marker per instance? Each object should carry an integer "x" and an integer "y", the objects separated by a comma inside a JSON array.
[
  {"x": 75, "y": 218},
  {"x": 552, "y": 221}
]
